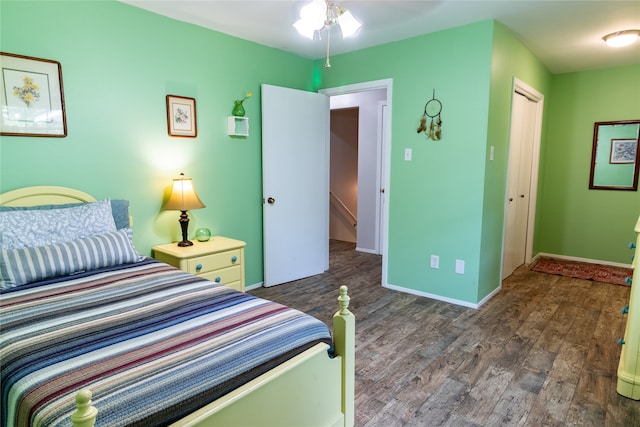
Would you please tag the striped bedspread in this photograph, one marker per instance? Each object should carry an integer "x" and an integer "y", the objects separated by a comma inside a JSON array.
[{"x": 151, "y": 342}]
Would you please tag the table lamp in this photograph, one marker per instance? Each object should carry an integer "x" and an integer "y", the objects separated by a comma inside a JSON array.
[{"x": 183, "y": 198}]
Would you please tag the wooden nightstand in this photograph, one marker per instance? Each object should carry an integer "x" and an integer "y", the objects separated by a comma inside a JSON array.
[{"x": 220, "y": 260}]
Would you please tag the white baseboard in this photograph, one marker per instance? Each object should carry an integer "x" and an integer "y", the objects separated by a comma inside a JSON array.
[
  {"x": 368, "y": 251},
  {"x": 587, "y": 260},
  {"x": 488, "y": 297},
  {"x": 254, "y": 286},
  {"x": 441, "y": 298}
]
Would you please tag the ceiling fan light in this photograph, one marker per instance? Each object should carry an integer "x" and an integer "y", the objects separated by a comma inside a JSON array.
[
  {"x": 348, "y": 24},
  {"x": 622, "y": 38},
  {"x": 305, "y": 28},
  {"x": 315, "y": 13}
]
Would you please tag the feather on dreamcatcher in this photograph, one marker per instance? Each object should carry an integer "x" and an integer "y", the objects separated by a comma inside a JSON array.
[{"x": 432, "y": 110}]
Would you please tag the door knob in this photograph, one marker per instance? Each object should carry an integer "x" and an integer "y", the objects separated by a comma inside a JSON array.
[{"x": 271, "y": 200}]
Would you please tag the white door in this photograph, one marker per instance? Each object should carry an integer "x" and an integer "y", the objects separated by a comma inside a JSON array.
[
  {"x": 295, "y": 184},
  {"x": 523, "y": 119}
]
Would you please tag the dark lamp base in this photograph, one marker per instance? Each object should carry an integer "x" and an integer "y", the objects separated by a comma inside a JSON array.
[{"x": 184, "y": 225}]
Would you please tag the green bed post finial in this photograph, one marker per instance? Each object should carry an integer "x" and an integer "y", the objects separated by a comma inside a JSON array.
[
  {"x": 343, "y": 300},
  {"x": 85, "y": 414}
]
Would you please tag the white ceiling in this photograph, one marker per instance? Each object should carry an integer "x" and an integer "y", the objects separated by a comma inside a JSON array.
[{"x": 566, "y": 35}]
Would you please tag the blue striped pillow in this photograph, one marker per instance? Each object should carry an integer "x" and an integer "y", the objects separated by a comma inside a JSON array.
[{"x": 26, "y": 265}]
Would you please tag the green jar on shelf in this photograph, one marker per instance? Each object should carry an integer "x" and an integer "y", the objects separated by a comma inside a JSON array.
[{"x": 238, "y": 109}]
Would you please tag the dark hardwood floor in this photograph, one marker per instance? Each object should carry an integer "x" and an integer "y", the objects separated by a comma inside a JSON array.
[{"x": 542, "y": 352}]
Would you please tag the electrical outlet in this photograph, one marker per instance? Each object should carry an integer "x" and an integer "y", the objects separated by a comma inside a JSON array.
[
  {"x": 435, "y": 261},
  {"x": 459, "y": 266},
  {"x": 408, "y": 152}
]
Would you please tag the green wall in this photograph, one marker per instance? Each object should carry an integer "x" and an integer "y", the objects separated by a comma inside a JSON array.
[
  {"x": 118, "y": 64},
  {"x": 509, "y": 59},
  {"x": 449, "y": 200},
  {"x": 573, "y": 220},
  {"x": 435, "y": 200}
]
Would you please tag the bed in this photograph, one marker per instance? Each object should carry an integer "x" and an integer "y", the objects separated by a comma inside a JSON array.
[{"x": 121, "y": 339}]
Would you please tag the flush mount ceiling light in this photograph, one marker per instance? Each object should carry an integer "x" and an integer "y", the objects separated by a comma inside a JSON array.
[
  {"x": 321, "y": 16},
  {"x": 622, "y": 38}
]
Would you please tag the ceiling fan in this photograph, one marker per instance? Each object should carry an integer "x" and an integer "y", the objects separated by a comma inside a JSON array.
[{"x": 321, "y": 16}]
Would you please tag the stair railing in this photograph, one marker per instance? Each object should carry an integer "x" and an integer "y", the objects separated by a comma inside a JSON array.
[{"x": 339, "y": 202}]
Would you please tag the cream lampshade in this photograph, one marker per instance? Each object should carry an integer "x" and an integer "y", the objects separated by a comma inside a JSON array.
[{"x": 183, "y": 198}]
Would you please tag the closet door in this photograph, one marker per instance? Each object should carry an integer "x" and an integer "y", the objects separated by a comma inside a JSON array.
[
  {"x": 295, "y": 174},
  {"x": 518, "y": 183}
]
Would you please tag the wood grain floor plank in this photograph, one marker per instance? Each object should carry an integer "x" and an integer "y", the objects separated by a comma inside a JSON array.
[
  {"x": 437, "y": 409},
  {"x": 530, "y": 380},
  {"x": 513, "y": 407},
  {"x": 515, "y": 352},
  {"x": 480, "y": 400},
  {"x": 621, "y": 412},
  {"x": 533, "y": 325},
  {"x": 552, "y": 404},
  {"x": 456, "y": 420},
  {"x": 589, "y": 405},
  {"x": 368, "y": 407},
  {"x": 476, "y": 361},
  {"x": 569, "y": 363}
]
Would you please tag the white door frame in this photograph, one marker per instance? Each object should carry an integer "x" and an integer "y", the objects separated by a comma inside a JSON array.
[
  {"x": 521, "y": 87},
  {"x": 381, "y": 145},
  {"x": 386, "y": 153}
]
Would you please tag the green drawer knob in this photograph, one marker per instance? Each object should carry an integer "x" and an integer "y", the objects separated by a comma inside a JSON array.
[
  {"x": 632, "y": 245},
  {"x": 217, "y": 279},
  {"x": 234, "y": 258},
  {"x": 621, "y": 341},
  {"x": 628, "y": 280},
  {"x": 198, "y": 267},
  {"x": 625, "y": 309}
]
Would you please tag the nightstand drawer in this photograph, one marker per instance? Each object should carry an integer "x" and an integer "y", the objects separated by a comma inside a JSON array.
[
  {"x": 207, "y": 263},
  {"x": 224, "y": 276},
  {"x": 219, "y": 258}
]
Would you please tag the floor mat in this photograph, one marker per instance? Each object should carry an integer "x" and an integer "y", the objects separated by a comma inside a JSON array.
[{"x": 583, "y": 270}]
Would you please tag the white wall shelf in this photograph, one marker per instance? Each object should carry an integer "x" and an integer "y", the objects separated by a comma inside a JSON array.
[{"x": 238, "y": 126}]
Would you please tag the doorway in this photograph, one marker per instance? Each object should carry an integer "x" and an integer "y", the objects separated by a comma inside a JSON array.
[
  {"x": 522, "y": 176},
  {"x": 380, "y": 160},
  {"x": 356, "y": 141},
  {"x": 343, "y": 174},
  {"x": 279, "y": 237}
]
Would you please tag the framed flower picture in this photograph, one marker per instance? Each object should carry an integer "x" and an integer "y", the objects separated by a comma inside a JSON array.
[
  {"x": 181, "y": 116},
  {"x": 31, "y": 97},
  {"x": 623, "y": 150}
]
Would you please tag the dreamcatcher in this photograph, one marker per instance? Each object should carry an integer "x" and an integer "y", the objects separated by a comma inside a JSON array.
[{"x": 432, "y": 109}]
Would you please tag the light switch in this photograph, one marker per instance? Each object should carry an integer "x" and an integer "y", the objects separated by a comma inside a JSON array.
[
  {"x": 459, "y": 266},
  {"x": 491, "y": 152},
  {"x": 435, "y": 261},
  {"x": 407, "y": 154}
]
